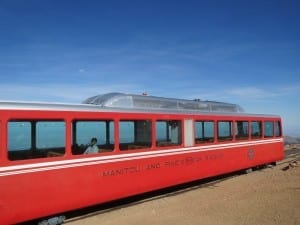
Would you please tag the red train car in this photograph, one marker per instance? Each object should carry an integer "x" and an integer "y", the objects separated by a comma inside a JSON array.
[{"x": 140, "y": 144}]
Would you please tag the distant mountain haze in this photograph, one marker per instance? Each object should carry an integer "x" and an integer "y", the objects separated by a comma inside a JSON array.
[{"x": 291, "y": 140}]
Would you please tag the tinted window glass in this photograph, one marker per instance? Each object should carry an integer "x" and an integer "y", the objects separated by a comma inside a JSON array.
[
  {"x": 19, "y": 136},
  {"x": 277, "y": 129},
  {"x": 268, "y": 129},
  {"x": 242, "y": 129},
  {"x": 135, "y": 134},
  {"x": 35, "y": 139},
  {"x": 256, "y": 129},
  {"x": 126, "y": 131},
  {"x": 84, "y": 132},
  {"x": 224, "y": 130},
  {"x": 50, "y": 134},
  {"x": 204, "y": 131},
  {"x": 168, "y": 132}
]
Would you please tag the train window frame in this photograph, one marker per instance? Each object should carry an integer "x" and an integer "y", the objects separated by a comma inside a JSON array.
[
  {"x": 32, "y": 151},
  {"x": 103, "y": 131},
  {"x": 241, "y": 130},
  {"x": 268, "y": 129},
  {"x": 257, "y": 132},
  {"x": 170, "y": 134},
  {"x": 224, "y": 130},
  {"x": 138, "y": 134},
  {"x": 202, "y": 127}
]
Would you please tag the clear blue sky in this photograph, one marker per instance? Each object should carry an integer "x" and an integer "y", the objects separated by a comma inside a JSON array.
[{"x": 244, "y": 52}]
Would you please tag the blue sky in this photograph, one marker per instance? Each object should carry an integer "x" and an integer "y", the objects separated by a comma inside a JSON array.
[{"x": 244, "y": 52}]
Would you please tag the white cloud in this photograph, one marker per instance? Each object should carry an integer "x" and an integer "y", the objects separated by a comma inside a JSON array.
[
  {"x": 257, "y": 93},
  {"x": 81, "y": 70},
  {"x": 291, "y": 89},
  {"x": 251, "y": 93}
]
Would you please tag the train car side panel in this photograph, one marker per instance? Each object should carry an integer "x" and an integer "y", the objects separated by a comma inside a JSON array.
[{"x": 72, "y": 185}]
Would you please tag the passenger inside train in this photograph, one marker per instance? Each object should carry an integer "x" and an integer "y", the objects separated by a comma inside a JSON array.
[{"x": 93, "y": 148}]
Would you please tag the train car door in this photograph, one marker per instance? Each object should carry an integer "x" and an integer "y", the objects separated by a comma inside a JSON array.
[{"x": 188, "y": 133}]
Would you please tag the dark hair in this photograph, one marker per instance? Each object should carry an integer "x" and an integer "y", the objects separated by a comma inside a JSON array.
[{"x": 94, "y": 139}]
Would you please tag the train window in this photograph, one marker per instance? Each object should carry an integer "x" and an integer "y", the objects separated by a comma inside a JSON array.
[
  {"x": 224, "y": 130},
  {"x": 50, "y": 134},
  {"x": 277, "y": 129},
  {"x": 256, "y": 129},
  {"x": 84, "y": 131},
  {"x": 204, "y": 131},
  {"x": 135, "y": 134},
  {"x": 19, "y": 136},
  {"x": 241, "y": 130},
  {"x": 268, "y": 129},
  {"x": 168, "y": 132},
  {"x": 35, "y": 139}
]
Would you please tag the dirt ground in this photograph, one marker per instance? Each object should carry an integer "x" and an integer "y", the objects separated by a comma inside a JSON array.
[{"x": 269, "y": 196}]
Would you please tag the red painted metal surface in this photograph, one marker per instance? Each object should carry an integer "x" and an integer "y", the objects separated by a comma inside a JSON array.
[{"x": 36, "y": 188}]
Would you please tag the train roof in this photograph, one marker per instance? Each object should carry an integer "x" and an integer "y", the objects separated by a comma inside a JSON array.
[
  {"x": 131, "y": 101},
  {"x": 113, "y": 102}
]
